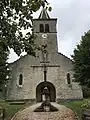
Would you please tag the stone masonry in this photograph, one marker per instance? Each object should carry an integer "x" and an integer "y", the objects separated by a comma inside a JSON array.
[{"x": 32, "y": 69}]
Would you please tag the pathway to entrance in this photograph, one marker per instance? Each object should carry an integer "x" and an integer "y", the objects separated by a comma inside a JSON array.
[{"x": 63, "y": 113}]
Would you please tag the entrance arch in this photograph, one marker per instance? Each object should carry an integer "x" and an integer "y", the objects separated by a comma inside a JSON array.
[{"x": 39, "y": 91}]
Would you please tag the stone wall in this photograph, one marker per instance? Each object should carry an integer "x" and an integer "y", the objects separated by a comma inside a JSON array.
[
  {"x": 31, "y": 69},
  {"x": 33, "y": 75}
]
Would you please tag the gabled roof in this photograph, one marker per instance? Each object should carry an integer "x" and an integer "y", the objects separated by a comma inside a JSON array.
[
  {"x": 65, "y": 56},
  {"x": 44, "y": 14},
  {"x": 32, "y": 56}
]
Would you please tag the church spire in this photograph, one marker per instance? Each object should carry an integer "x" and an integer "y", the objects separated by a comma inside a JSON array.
[{"x": 44, "y": 14}]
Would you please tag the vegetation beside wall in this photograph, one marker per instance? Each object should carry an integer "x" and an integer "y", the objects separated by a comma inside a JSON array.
[
  {"x": 10, "y": 110},
  {"x": 77, "y": 106}
]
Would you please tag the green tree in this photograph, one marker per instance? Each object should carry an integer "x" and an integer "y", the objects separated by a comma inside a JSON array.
[
  {"x": 15, "y": 15},
  {"x": 81, "y": 60},
  {"x": 4, "y": 68}
]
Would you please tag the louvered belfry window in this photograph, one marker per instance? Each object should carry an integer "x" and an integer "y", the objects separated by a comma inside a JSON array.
[
  {"x": 41, "y": 28},
  {"x": 46, "y": 28}
]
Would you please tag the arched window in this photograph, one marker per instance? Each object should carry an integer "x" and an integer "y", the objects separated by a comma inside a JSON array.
[
  {"x": 46, "y": 28},
  {"x": 20, "y": 79},
  {"x": 68, "y": 78},
  {"x": 41, "y": 28}
]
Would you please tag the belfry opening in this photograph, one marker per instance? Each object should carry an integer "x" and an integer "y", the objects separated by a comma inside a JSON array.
[{"x": 39, "y": 92}]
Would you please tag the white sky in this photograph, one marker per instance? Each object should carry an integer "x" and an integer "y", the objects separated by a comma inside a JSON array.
[{"x": 73, "y": 19}]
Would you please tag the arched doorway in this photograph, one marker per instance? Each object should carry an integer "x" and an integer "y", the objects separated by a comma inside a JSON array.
[{"x": 39, "y": 91}]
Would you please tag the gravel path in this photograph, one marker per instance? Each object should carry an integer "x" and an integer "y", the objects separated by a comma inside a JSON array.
[{"x": 63, "y": 113}]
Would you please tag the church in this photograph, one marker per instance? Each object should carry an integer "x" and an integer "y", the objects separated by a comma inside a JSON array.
[{"x": 27, "y": 73}]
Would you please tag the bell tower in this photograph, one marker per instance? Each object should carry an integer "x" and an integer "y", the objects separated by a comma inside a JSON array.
[{"x": 45, "y": 31}]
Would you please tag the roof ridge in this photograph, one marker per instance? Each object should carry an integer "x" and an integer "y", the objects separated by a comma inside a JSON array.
[{"x": 66, "y": 56}]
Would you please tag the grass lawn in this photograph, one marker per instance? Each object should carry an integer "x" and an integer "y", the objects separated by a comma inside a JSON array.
[
  {"x": 76, "y": 106},
  {"x": 12, "y": 109}
]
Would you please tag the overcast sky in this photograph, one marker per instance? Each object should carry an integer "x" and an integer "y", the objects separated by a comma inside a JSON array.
[{"x": 73, "y": 19}]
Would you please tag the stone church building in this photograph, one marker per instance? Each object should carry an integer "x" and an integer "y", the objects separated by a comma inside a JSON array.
[{"x": 28, "y": 72}]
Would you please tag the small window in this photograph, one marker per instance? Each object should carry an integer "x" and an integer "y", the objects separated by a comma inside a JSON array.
[
  {"x": 20, "y": 79},
  {"x": 46, "y": 28},
  {"x": 68, "y": 78},
  {"x": 41, "y": 28}
]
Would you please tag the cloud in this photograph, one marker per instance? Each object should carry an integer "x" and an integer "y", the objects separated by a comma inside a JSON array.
[{"x": 73, "y": 20}]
